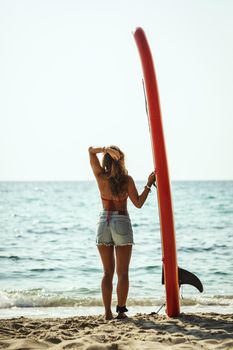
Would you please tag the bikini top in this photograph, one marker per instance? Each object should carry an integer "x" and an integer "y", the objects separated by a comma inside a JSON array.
[{"x": 111, "y": 205}]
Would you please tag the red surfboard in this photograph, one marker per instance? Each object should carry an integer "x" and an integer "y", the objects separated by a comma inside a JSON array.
[{"x": 169, "y": 258}]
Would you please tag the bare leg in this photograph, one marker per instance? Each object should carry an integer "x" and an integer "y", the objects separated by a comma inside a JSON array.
[
  {"x": 107, "y": 257},
  {"x": 123, "y": 256}
]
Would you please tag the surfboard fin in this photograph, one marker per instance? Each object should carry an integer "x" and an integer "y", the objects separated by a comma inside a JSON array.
[{"x": 186, "y": 277}]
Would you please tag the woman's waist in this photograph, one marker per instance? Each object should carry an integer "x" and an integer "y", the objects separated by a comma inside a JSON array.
[{"x": 106, "y": 212}]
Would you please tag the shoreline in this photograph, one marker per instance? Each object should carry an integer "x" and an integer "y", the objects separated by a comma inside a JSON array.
[
  {"x": 72, "y": 311},
  {"x": 141, "y": 331}
]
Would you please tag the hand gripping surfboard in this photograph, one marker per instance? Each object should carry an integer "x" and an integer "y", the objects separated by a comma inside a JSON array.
[{"x": 170, "y": 268}]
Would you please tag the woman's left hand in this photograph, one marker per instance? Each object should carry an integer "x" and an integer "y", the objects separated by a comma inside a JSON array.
[
  {"x": 113, "y": 153},
  {"x": 151, "y": 178}
]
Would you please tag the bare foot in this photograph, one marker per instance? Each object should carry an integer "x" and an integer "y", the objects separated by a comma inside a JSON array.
[{"x": 108, "y": 316}]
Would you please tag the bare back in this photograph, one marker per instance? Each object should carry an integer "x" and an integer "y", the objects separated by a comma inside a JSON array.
[{"x": 108, "y": 200}]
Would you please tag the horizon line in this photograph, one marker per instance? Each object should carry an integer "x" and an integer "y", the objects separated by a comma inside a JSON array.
[{"x": 93, "y": 180}]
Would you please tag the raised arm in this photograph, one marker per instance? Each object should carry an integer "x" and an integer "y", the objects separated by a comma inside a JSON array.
[
  {"x": 94, "y": 160},
  {"x": 136, "y": 199}
]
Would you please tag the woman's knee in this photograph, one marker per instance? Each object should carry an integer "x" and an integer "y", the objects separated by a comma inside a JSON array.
[
  {"x": 124, "y": 275},
  {"x": 108, "y": 275}
]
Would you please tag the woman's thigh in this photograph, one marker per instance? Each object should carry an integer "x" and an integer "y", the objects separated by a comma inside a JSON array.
[
  {"x": 123, "y": 256},
  {"x": 107, "y": 257}
]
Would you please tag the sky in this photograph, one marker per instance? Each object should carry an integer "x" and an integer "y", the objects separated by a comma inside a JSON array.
[{"x": 71, "y": 77}]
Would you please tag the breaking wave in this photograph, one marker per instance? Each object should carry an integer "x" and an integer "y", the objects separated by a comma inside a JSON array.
[{"x": 41, "y": 298}]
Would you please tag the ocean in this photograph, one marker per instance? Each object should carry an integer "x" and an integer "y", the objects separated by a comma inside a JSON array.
[{"x": 49, "y": 264}]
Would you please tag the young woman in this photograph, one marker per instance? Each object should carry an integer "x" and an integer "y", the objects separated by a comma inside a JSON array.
[{"x": 114, "y": 228}]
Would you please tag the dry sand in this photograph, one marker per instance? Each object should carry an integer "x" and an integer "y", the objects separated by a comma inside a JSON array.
[{"x": 143, "y": 331}]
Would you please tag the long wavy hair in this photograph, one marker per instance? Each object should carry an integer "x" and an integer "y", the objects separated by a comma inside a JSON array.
[{"x": 116, "y": 172}]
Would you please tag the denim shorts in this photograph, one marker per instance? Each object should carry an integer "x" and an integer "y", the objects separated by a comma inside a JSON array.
[{"x": 114, "y": 229}]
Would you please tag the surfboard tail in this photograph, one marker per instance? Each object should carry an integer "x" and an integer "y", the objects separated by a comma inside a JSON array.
[{"x": 186, "y": 277}]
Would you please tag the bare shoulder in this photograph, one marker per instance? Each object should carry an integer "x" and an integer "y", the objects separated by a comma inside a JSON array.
[
  {"x": 103, "y": 177},
  {"x": 103, "y": 181},
  {"x": 130, "y": 181},
  {"x": 132, "y": 190}
]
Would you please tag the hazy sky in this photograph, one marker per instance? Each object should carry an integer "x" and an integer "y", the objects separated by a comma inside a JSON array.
[{"x": 70, "y": 77}]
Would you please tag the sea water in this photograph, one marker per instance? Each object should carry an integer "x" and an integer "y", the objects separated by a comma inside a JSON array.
[{"x": 50, "y": 266}]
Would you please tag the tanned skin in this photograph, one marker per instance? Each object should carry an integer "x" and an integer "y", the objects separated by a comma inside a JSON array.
[{"x": 123, "y": 253}]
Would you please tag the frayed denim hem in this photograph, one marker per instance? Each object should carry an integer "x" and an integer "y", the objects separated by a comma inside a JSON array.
[
  {"x": 114, "y": 245},
  {"x": 106, "y": 244}
]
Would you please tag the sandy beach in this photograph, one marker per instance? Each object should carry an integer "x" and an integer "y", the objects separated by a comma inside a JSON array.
[{"x": 142, "y": 331}]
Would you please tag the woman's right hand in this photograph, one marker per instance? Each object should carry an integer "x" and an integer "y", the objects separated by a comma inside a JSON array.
[{"x": 151, "y": 179}]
